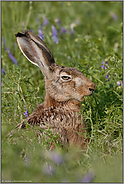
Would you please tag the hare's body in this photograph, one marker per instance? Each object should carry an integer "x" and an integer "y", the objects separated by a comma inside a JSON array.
[
  {"x": 65, "y": 89},
  {"x": 67, "y": 122}
]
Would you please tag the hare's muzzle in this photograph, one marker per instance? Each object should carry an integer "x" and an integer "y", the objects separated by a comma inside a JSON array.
[{"x": 86, "y": 90}]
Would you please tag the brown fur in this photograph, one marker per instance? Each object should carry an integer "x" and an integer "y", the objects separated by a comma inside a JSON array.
[{"x": 65, "y": 89}]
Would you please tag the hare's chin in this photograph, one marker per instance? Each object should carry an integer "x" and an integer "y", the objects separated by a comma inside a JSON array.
[{"x": 82, "y": 99}]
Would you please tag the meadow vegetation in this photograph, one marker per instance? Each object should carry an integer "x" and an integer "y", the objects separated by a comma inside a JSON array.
[{"x": 84, "y": 35}]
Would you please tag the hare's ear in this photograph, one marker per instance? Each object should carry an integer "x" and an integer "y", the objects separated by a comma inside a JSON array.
[{"x": 35, "y": 50}]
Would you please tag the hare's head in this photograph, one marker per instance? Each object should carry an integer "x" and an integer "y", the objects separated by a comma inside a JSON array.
[{"x": 62, "y": 83}]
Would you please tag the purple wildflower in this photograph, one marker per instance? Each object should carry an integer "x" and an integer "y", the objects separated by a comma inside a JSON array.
[
  {"x": 41, "y": 26},
  {"x": 73, "y": 25},
  {"x": 104, "y": 65},
  {"x": 71, "y": 31},
  {"x": 88, "y": 177},
  {"x": 54, "y": 31},
  {"x": 114, "y": 16},
  {"x": 56, "y": 158},
  {"x": 54, "y": 35},
  {"x": 119, "y": 83},
  {"x": 7, "y": 49},
  {"x": 31, "y": 30},
  {"x": 46, "y": 21},
  {"x": 40, "y": 33},
  {"x": 107, "y": 76},
  {"x": 3, "y": 71},
  {"x": 58, "y": 21},
  {"x": 63, "y": 30},
  {"x": 11, "y": 56},
  {"x": 72, "y": 28},
  {"x": 26, "y": 113}
]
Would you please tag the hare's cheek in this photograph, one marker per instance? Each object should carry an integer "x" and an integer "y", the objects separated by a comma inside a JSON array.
[
  {"x": 67, "y": 87},
  {"x": 82, "y": 91}
]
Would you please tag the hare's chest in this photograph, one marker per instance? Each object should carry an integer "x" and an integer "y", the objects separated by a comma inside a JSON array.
[
  {"x": 61, "y": 118},
  {"x": 55, "y": 118},
  {"x": 69, "y": 125}
]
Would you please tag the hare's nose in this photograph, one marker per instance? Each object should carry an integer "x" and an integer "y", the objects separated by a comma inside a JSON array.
[{"x": 92, "y": 88}]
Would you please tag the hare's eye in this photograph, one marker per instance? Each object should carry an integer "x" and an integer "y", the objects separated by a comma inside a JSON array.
[{"x": 66, "y": 77}]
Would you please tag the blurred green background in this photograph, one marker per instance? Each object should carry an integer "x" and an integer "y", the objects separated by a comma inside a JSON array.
[{"x": 89, "y": 38}]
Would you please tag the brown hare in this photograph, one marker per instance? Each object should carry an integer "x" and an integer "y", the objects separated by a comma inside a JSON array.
[{"x": 65, "y": 89}]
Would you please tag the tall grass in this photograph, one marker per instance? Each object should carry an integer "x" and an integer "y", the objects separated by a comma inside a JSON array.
[{"x": 89, "y": 38}]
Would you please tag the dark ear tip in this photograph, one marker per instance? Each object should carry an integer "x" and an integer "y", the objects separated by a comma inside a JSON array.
[{"x": 21, "y": 34}]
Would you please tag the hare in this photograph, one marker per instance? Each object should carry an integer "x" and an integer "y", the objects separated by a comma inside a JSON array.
[{"x": 65, "y": 89}]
